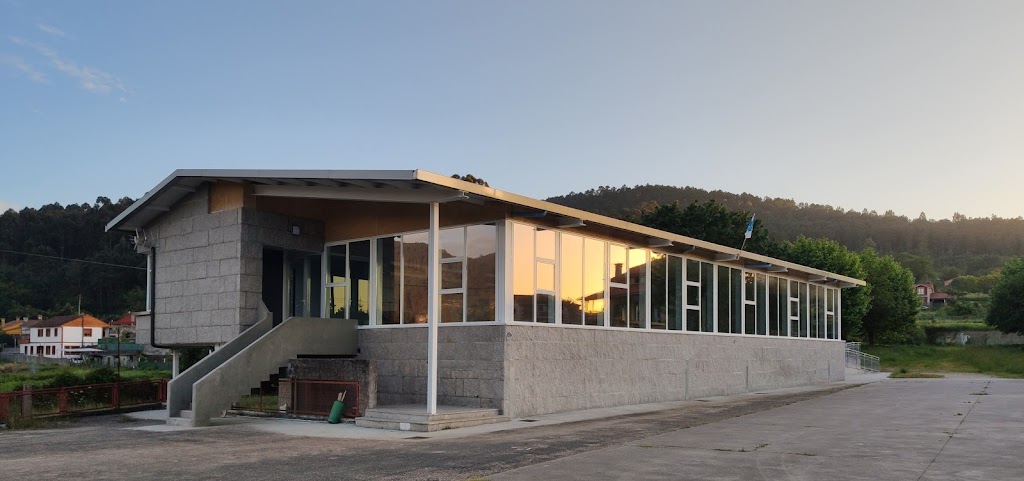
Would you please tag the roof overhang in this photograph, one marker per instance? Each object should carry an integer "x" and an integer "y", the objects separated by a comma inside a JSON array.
[{"x": 419, "y": 186}]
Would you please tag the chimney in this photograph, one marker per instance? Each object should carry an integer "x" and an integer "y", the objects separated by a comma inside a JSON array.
[
  {"x": 39, "y": 317},
  {"x": 618, "y": 269}
]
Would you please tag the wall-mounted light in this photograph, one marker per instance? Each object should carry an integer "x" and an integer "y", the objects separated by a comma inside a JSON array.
[{"x": 295, "y": 229}]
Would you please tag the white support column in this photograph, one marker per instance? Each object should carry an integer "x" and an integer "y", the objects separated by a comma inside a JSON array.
[
  {"x": 175, "y": 363},
  {"x": 433, "y": 306}
]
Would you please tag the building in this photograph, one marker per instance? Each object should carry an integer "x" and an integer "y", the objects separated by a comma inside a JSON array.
[
  {"x": 124, "y": 327},
  {"x": 929, "y": 297},
  {"x": 60, "y": 337},
  {"x": 465, "y": 295}
]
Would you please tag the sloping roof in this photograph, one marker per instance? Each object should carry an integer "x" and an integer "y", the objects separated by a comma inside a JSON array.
[
  {"x": 422, "y": 187},
  {"x": 13, "y": 327},
  {"x": 73, "y": 320},
  {"x": 126, "y": 320}
]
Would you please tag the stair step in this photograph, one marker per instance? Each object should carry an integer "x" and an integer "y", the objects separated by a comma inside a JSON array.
[
  {"x": 185, "y": 422},
  {"x": 404, "y": 418},
  {"x": 186, "y": 413}
]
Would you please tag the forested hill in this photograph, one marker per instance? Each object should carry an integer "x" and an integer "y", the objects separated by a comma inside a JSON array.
[
  {"x": 34, "y": 280},
  {"x": 945, "y": 248}
]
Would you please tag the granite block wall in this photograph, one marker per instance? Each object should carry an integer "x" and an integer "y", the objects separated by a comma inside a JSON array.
[
  {"x": 197, "y": 289},
  {"x": 550, "y": 369},
  {"x": 209, "y": 267},
  {"x": 469, "y": 364}
]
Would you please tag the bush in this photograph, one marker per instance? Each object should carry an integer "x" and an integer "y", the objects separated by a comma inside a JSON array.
[
  {"x": 65, "y": 378},
  {"x": 102, "y": 375}
]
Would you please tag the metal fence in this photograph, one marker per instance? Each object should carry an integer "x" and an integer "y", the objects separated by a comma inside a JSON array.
[
  {"x": 36, "y": 403},
  {"x": 858, "y": 360},
  {"x": 302, "y": 397}
]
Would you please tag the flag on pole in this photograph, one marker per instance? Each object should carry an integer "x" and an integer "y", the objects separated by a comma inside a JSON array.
[{"x": 750, "y": 227}]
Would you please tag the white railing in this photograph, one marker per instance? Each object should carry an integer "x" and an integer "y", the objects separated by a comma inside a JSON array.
[{"x": 858, "y": 360}]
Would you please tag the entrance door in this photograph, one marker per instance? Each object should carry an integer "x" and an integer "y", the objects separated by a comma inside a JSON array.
[
  {"x": 291, "y": 284},
  {"x": 302, "y": 280}
]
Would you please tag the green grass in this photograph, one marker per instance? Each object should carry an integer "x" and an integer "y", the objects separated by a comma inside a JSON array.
[
  {"x": 13, "y": 376},
  {"x": 999, "y": 361}
]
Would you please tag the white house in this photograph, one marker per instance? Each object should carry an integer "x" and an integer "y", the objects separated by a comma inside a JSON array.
[{"x": 53, "y": 337}]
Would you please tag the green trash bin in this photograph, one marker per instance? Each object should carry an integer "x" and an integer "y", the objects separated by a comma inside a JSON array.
[{"x": 336, "y": 410}]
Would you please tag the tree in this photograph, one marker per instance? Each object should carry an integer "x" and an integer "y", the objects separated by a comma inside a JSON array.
[
  {"x": 1006, "y": 307},
  {"x": 892, "y": 311},
  {"x": 709, "y": 221},
  {"x": 829, "y": 255}
]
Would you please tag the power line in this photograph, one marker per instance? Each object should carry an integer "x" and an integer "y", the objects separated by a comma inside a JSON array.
[{"x": 73, "y": 260}]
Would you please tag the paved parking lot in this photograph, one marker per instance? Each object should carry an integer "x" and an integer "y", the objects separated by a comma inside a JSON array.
[{"x": 895, "y": 429}]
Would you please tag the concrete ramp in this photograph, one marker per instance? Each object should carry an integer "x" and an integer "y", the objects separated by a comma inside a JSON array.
[{"x": 214, "y": 392}]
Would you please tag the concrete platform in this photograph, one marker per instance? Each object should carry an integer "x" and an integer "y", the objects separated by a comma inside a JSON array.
[
  {"x": 900, "y": 429},
  {"x": 416, "y": 418}
]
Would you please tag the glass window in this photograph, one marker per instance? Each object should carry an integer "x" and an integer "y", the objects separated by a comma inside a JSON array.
[
  {"x": 618, "y": 278},
  {"x": 524, "y": 260},
  {"x": 546, "y": 242},
  {"x": 617, "y": 297},
  {"x": 762, "y": 305},
  {"x": 725, "y": 313},
  {"x": 572, "y": 279},
  {"x": 707, "y": 292},
  {"x": 593, "y": 281},
  {"x": 359, "y": 271},
  {"x": 336, "y": 302},
  {"x": 451, "y": 307},
  {"x": 414, "y": 278},
  {"x": 481, "y": 244},
  {"x": 773, "y": 314},
  {"x": 337, "y": 264},
  {"x": 676, "y": 301},
  {"x": 637, "y": 288},
  {"x": 545, "y": 308},
  {"x": 658, "y": 290},
  {"x": 389, "y": 279},
  {"x": 453, "y": 242},
  {"x": 545, "y": 276},
  {"x": 451, "y": 275}
]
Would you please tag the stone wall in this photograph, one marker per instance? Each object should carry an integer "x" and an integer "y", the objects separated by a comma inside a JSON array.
[
  {"x": 469, "y": 364},
  {"x": 197, "y": 286},
  {"x": 209, "y": 268},
  {"x": 552, "y": 369}
]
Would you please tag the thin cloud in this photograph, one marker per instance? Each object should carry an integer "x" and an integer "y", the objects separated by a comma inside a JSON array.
[
  {"x": 50, "y": 29},
  {"x": 25, "y": 69},
  {"x": 89, "y": 78}
]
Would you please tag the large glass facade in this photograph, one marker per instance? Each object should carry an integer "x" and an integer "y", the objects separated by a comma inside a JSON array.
[
  {"x": 384, "y": 280},
  {"x": 604, "y": 283},
  {"x": 557, "y": 277}
]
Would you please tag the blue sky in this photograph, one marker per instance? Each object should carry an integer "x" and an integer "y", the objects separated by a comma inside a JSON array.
[{"x": 909, "y": 105}]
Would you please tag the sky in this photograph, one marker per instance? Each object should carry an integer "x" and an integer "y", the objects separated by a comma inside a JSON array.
[{"x": 914, "y": 105}]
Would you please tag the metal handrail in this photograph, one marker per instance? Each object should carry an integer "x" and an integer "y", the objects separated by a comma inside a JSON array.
[{"x": 858, "y": 360}]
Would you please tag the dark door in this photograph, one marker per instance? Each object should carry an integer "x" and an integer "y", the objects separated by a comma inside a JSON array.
[{"x": 273, "y": 282}]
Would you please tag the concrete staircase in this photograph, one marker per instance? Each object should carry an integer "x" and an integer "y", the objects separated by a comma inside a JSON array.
[
  {"x": 416, "y": 418},
  {"x": 222, "y": 382}
]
